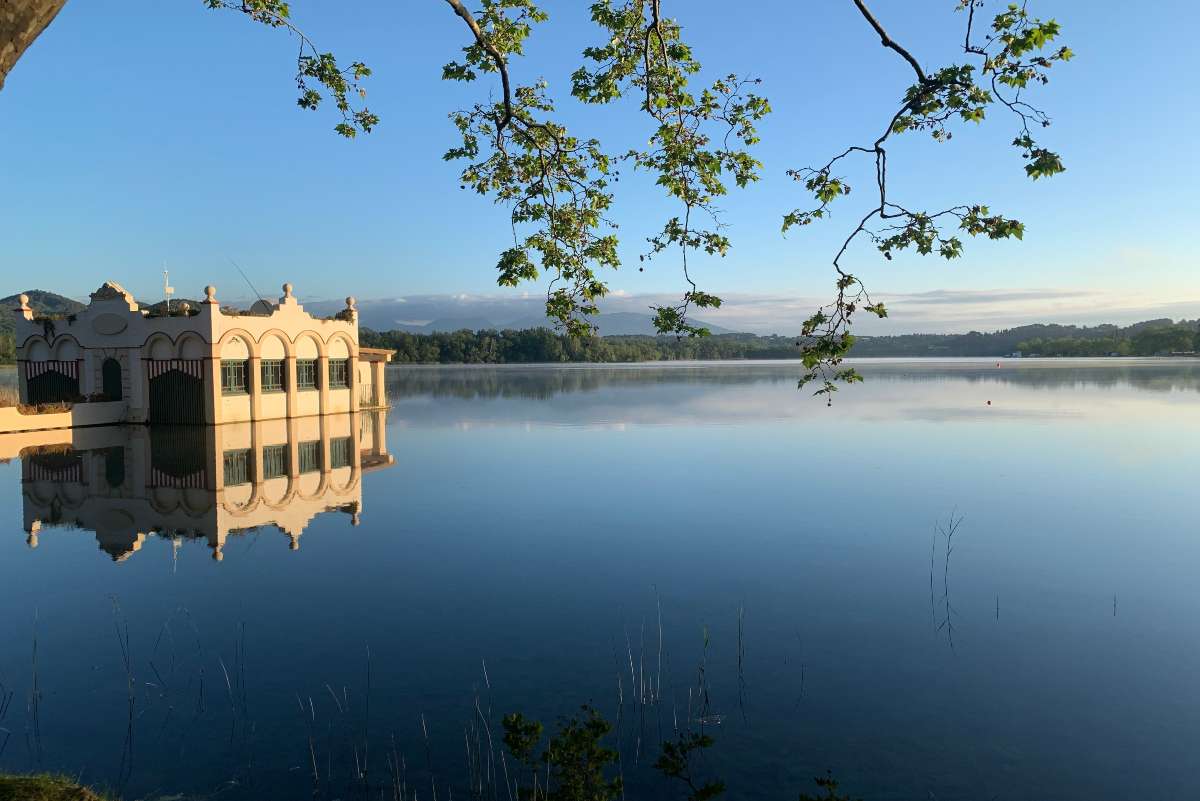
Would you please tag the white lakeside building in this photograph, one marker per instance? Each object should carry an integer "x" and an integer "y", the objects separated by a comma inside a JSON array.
[{"x": 202, "y": 366}]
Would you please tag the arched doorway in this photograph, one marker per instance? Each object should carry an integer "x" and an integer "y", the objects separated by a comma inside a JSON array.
[
  {"x": 176, "y": 391},
  {"x": 110, "y": 379},
  {"x": 52, "y": 381}
]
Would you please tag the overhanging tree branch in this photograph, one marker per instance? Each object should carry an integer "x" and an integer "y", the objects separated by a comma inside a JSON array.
[
  {"x": 313, "y": 66},
  {"x": 887, "y": 41},
  {"x": 1010, "y": 61},
  {"x": 21, "y": 22},
  {"x": 496, "y": 56}
]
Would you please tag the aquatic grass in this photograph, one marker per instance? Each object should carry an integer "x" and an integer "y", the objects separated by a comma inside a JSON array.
[
  {"x": 35, "y": 700},
  {"x": 741, "y": 660},
  {"x": 121, "y": 626},
  {"x": 6, "y": 697},
  {"x": 947, "y": 532},
  {"x": 583, "y": 752}
]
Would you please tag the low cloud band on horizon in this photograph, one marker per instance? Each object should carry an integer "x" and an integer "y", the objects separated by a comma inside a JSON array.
[{"x": 937, "y": 311}]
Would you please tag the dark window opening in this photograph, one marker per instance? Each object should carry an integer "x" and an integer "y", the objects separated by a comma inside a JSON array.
[
  {"x": 110, "y": 379},
  {"x": 114, "y": 466}
]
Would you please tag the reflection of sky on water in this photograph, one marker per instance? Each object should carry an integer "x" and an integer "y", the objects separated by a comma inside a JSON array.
[
  {"x": 727, "y": 393},
  {"x": 535, "y": 518}
]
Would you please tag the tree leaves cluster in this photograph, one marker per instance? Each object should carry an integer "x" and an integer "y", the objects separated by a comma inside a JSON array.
[
  {"x": 697, "y": 140},
  {"x": 1014, "y": 55},
  {"x": 557, "y": 184},
  {"x": 318, "y": 74},
  {"x": 676, "y": 762},
  {"x": 575, "y": 762},
  {"x": 576, "y": 765}
]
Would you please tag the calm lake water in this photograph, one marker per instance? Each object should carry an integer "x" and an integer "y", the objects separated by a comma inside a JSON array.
[{"x": 673, "y": 543}]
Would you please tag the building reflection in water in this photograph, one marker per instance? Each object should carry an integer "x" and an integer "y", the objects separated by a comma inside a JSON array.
[{"x": 128, "y": 483}]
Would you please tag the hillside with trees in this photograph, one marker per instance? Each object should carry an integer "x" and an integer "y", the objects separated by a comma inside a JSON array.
[
  {"x": 1150, "y": 338},
  {"x": 1141, "y": 340},
  {"x": 44, "y": 303},
  {"x": 542, "y": 345}
]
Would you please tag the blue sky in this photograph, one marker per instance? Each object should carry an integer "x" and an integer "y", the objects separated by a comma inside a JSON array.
[{"x": 144, "y": 132}]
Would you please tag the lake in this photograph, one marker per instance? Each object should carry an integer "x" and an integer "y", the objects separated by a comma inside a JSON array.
[{"x": 692, "y": 545}]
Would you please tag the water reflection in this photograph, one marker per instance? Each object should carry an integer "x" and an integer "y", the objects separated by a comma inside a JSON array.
[
  {"x": 708, "y": 393},
  {"x": 127, "y": 484},
  {"x": 567, "y": 548},
  {"x": 541, "y": 382}
]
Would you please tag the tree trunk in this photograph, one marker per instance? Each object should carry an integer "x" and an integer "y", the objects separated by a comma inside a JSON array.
[{"x": 22, "y": 21}]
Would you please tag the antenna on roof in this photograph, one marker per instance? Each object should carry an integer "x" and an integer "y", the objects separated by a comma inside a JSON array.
[
  {"x": 247, "y": 279},
  {"x": 168, "y": 291}
]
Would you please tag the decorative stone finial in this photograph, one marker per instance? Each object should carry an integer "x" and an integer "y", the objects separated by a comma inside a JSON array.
[
  {"x": 210, "y": 294},
  {"x": 294, "y": 545},
  {"x": 32, "y": 539},
  {"x": 217, "y": 555},
  {"x": 184, "y": 307},
  {"x": 355, "y": 519},
  {"x": 24, "y": 311},
  {"x": 111, "y": 290},
  {"x": 350, "y": 301},
  {"x": 287, "y": 290}
]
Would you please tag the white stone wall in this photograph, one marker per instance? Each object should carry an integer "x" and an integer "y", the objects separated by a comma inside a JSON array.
[{"x": 113, "y": 326}]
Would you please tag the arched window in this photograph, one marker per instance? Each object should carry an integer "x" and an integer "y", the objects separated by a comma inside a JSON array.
[
  {"x": 110, "y": 379},
  {"x": 339, "y": 364}
]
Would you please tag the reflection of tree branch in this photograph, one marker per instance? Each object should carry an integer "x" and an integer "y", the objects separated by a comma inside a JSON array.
[{"x": 948, "y": 612}]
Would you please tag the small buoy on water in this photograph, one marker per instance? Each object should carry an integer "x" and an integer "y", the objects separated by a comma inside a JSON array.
[{"x": 989, "y": 403}]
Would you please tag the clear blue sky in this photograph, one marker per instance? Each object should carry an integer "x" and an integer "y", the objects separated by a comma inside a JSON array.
[{"x": 138, "y": 132}]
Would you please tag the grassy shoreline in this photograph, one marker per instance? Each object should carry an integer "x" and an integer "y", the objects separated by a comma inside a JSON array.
[{"x": 44, "y": 787}]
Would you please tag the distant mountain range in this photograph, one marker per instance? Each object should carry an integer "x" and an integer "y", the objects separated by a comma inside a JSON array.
[
  {"x": 382, "y": 315},
  {"x": 376, "y": 315}
]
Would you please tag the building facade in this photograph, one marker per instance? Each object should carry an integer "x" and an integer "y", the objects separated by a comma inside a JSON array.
[{"x": 196, "y": 366}]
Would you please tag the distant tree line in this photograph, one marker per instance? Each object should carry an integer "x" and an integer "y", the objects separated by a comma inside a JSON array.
[
  {"x": 541, "y": 345},
  {"x": 1147, "y": 338},
  {"x": 1162, "y": 341},
  {"x": 533, "y": 345}
]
